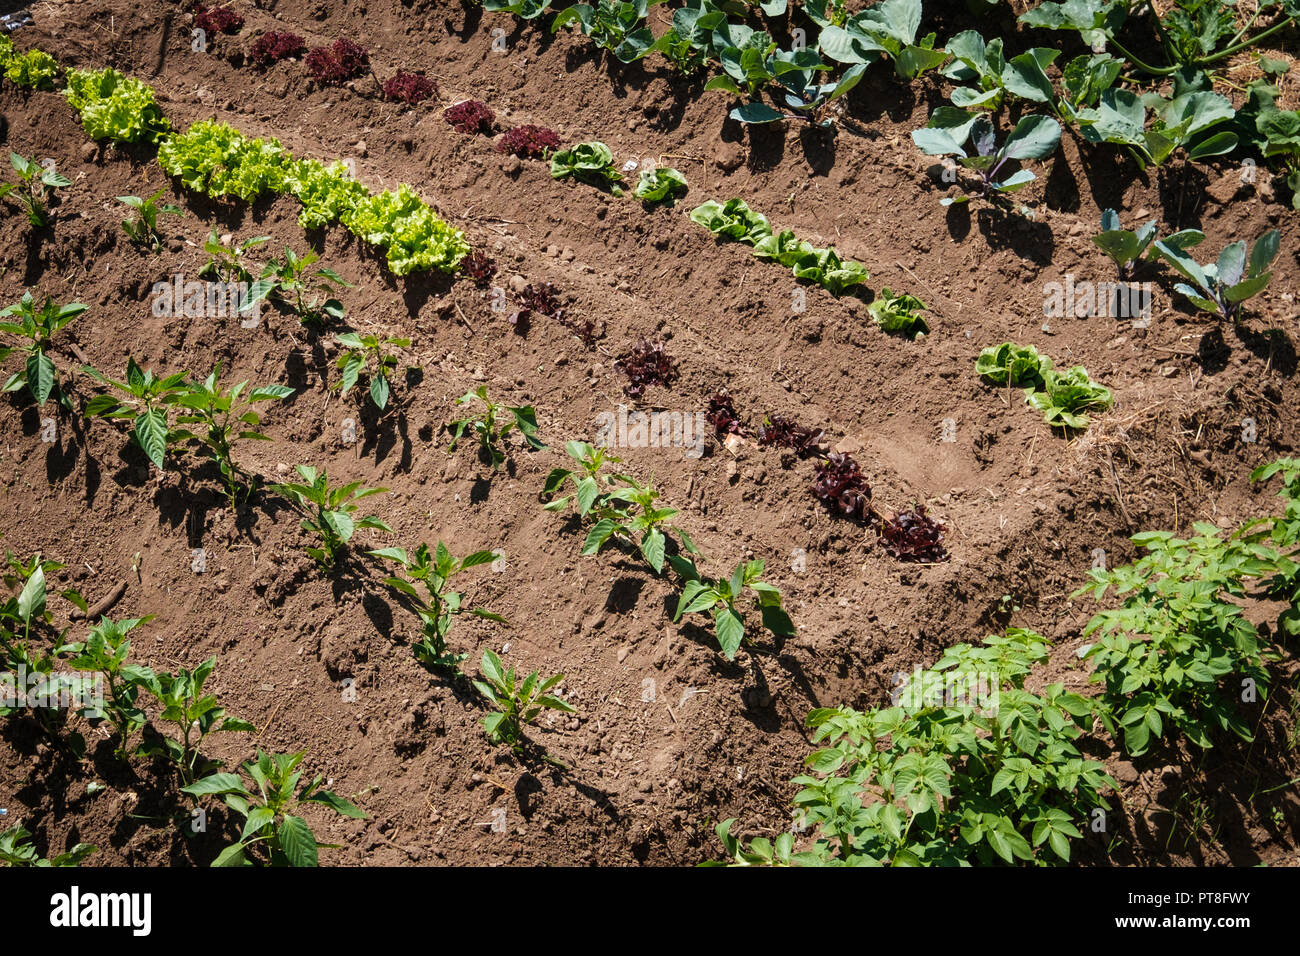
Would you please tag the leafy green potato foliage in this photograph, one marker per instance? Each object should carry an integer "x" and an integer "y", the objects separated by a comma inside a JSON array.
[{"x": 952, "y": 777}]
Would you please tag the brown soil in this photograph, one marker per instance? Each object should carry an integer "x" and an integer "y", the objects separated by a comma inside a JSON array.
[{"x": 1025, "y": 509}]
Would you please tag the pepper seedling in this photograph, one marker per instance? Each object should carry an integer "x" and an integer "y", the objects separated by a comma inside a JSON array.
[{"x": 38, "y": 328}]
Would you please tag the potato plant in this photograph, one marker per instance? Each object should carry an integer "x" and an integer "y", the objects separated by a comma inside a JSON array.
[
  {"x": 972, "y": 768},
  {"x": 1177, "y": 649}
]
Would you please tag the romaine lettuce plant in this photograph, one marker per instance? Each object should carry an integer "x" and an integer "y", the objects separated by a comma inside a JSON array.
[
  {"x": 329, "y": 512},
  {"x": 827, "y": 269},
  {"x": 437, "y": 610},
  {"x": 591, "y": 163},
  {"x": 1222, "y": 287},
  {"x": 36, "y": 328},
  {"x": 270, "y": 829},
  {"x": 1034, "y": 137},
  {"x": 660, "y": 185},
  {"x": 719, "y": 598},
  {"x": 732, "y": 220},
  {"x": 1065, "y": 397},
  {"x": 782, "y": 247},
  {"x": 1013, "y": 365},
  {"x": 34, "y": 189},
  {"x": 899, "y": 313}
]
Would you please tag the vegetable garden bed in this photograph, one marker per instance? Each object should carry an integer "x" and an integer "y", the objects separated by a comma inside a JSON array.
[{"x": 889, "y": 466}]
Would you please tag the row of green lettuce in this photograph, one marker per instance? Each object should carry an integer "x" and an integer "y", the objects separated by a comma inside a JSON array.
[
  {"x": 968, "y": 765},
  {"x": 217, "y": 160}
]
